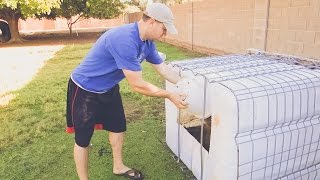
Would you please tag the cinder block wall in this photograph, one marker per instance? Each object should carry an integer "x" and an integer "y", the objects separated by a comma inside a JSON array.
[
  {"x": 232, "y": 26},
  {"x": 229, "y": 26},
  {"x": 294, "y": 27},
  {"x": 214, "y": 26}
]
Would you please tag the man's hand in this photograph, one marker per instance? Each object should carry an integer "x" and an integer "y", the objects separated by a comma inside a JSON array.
[
  {"x": 178, "y": 100},
  {"x": 139, "y": 85}
]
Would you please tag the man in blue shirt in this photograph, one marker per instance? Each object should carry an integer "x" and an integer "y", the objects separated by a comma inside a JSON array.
[{"x": 94, "y": 100}]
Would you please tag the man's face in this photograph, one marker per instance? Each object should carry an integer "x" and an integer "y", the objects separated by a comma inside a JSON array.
[{"x": 158, "y": 30}]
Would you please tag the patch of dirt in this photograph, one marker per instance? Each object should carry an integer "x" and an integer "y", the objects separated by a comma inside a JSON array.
[{"x": 132, "y": 110}]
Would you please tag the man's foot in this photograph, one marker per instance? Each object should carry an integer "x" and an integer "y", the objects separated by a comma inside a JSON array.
[{"x": 132, "y": 174}]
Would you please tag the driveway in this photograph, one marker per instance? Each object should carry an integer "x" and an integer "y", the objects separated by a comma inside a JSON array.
[{"x": 18, "y": 65}]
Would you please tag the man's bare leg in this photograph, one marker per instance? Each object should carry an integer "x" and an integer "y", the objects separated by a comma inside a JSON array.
[
  {"x": 116, "y": 141},
  {"x": 81, "y": 156}
]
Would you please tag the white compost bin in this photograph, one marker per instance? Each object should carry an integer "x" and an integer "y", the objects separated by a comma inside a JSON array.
[{"x": 265, "y": 117}]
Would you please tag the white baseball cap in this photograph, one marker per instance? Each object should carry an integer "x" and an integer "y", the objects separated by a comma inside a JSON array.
[{"x": 163, "y": 14}]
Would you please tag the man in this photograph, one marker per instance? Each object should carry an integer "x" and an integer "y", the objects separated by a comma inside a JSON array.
[{"x": 93, "y": 90}]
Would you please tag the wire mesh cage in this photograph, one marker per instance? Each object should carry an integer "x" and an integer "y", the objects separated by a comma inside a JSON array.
[{"x": 265, "y": 116}]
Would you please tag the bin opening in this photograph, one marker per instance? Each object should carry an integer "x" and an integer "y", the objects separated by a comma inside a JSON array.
[{"x": 196, "y": 133}]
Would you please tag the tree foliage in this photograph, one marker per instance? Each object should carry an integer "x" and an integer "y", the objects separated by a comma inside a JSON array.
[
  {"x": 141, "y": 4},
  {"x": 73, "y": 10},
  {"x": 13, "y": 10},
  {"x": 26, "y": 8},
  {"x": 104, "y": 8}
]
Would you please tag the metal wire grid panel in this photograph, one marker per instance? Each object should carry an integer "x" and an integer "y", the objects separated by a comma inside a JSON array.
[
  {"x": 281, "y": 140},
  {"x": 279, "y": 152},
  {"x": 286, "y": 100},
  {"x": 309, "y": 63},
  {"x": 312, "y": 172},
  {"x": 238, "y": 61}
]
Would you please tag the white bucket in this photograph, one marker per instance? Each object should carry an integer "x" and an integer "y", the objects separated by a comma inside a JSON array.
[{"x": 194, "y": 90}]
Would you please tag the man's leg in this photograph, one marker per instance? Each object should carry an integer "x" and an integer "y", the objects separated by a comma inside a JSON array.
[
  {"x": 81, "y": 155},
  {"x": 116, "y": 141}
]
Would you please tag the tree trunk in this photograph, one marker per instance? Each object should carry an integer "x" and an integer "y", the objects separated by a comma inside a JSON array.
[
  {"x": 70, "y": 29},
  {"x": 14, "y": 29},
  {"x": 70, "y": 23}
]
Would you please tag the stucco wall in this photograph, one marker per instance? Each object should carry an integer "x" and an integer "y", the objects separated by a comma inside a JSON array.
[{"x": 33, "y": 25}]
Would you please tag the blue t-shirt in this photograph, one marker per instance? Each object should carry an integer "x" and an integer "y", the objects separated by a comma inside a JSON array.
[{"x": 117, "y": 49}]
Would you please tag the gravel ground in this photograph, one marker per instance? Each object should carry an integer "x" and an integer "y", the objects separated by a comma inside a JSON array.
[{"x": 18, "y": 65}]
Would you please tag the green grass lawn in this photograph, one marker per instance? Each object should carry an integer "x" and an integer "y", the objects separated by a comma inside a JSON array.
[{"x": 33, "y": 144}]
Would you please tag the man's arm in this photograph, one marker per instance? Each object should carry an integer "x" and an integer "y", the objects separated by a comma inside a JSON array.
[
  {"x": 167, "y": 72},
  {"x": 137, "y": 84}
]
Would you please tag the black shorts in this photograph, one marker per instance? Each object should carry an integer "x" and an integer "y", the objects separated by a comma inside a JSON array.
[{"x": 87, "y": 110}]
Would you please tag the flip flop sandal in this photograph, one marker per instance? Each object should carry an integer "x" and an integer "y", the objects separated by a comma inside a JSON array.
[{"x": 132, "y": 174}]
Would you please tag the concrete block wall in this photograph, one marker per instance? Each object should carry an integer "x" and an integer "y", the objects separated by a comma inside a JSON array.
[
  {"x": 294, "y": 27},
  {"x": 214, "y": 26},
  {"x": 232, "y": 26},
  {"x": 260, "y": 24},
  {"x": 131, "y": 17},
  {"x": 228, "y": 26}
]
